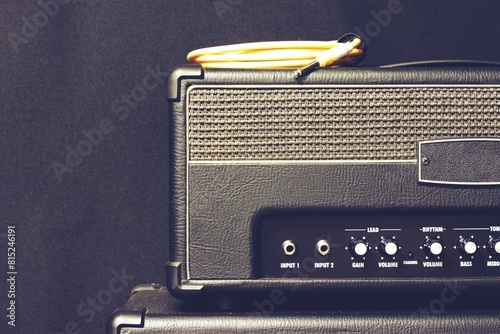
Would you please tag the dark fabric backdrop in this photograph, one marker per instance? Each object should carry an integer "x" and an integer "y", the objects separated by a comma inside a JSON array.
[{"x": 89, "y": 227}]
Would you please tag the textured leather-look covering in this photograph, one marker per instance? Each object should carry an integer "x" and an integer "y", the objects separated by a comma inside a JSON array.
[
  {"x": 153, "y": 311},
  {"x": 226, "y": 201}
]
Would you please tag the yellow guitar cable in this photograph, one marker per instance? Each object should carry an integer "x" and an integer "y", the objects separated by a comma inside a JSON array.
[{"x": 307, "y": 55}]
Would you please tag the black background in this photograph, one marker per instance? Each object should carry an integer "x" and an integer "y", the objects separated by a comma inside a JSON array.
[{"x": 109, "y": 214}]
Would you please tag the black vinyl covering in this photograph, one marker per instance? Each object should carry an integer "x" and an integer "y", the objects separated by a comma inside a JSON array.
[{"x": 152, "y": 310}]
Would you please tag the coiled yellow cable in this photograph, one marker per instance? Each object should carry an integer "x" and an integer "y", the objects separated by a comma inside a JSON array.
[{"x": 284, "y": 54}]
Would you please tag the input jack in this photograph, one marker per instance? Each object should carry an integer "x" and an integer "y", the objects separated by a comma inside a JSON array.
[
  {"x": 289, "y": 247},
  {"x": 323, "y": 247}
]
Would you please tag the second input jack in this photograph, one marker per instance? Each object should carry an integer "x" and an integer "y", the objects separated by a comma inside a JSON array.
[{"x": 323, "y": 247}]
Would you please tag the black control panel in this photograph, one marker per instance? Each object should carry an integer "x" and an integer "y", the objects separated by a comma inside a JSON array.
[{"x": 371, "y": 246}]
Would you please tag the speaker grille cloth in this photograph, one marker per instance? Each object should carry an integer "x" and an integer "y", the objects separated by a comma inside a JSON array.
[{"x": 334, "y": 123}]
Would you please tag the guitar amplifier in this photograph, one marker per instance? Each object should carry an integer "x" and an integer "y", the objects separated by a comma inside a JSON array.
[{"x": 350, "y": 181}]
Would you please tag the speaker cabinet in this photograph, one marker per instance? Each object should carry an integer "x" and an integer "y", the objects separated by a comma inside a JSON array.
[
  {"x": 351, "y": 181},
  {"x": 151, "y": 310}
]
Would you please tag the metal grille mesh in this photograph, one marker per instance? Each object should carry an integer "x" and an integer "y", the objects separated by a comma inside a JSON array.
[{"x": 345, "y": 123}]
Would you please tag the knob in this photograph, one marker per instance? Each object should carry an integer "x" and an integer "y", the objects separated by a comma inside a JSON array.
[
  {"x": 467, "y": 246},
  {"x": 433, "y": 247},
  {"x": 388, "y": 246},
  {"x": 358, "y": 247},
  {"x": 494, "y": 246}
]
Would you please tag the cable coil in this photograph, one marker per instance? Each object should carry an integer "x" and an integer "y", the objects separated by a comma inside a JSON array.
[{"x": 305, "y": 55}]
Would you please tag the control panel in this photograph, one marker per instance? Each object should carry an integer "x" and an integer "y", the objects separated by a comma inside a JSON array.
[{"x": 371, "y": 246}]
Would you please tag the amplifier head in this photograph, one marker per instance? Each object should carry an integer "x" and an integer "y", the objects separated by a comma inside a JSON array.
[{"x": 349, "y": 181}]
